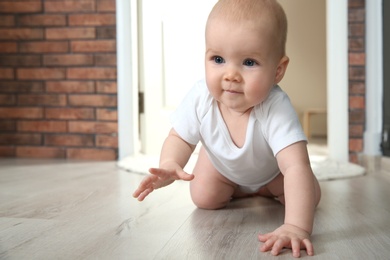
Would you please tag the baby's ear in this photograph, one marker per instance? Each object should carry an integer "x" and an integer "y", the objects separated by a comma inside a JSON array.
[{"x": 281, "y": 69}]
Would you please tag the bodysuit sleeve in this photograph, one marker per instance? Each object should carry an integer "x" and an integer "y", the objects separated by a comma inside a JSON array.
[
  {"x": 280, "y": 123},
  {"x": 186, "y": 119}
]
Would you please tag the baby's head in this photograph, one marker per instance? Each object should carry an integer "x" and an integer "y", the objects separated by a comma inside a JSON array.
[
  {"x": 261, "y": 14},
  {"x": 245, "y": 51}
]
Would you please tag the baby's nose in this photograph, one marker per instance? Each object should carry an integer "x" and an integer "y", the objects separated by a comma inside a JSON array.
[{"x": 232, "y": 74}]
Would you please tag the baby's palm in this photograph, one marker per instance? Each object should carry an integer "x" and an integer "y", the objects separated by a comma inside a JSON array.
[{"x": 157, "y": 179}]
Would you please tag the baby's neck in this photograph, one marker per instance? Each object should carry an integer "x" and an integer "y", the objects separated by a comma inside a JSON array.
[
  {"x": 236, "y": 123},
  {"x": 232, "y": 113}
]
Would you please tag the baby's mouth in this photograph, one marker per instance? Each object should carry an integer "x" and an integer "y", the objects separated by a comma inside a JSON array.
[{"x": 233, "y": 91}]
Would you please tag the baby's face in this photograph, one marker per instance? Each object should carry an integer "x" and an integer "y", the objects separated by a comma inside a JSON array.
[{"x": 241, "y": 62}]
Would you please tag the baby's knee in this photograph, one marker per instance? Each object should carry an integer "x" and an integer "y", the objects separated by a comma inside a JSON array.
[{"x": 206, "y": 202}]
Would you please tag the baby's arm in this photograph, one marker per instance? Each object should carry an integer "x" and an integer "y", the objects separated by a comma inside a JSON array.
[
  {"x": 302, "y": 194},
  {"x": 174, "y": 156}
]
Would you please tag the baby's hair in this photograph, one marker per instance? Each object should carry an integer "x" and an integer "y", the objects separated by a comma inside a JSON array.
[{"x": 251, "y": 10}]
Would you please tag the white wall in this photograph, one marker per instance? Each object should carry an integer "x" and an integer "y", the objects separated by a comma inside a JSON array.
[{"x": 305, "y": 79}]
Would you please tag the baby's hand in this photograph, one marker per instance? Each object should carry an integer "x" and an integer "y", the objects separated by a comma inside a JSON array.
[
  {"x": 158, "y": 179},
  {"x": 287, "y": 236}
]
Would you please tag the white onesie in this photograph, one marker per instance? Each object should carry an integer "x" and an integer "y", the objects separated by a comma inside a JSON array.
[{"x": 272, "y": 126}]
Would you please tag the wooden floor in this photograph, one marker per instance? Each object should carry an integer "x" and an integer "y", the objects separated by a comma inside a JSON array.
[{"x": 83, "y": 210}]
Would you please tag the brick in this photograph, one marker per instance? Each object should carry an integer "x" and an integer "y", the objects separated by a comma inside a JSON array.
[
  {"x": 106, "y": 6},
  {"x": 7, "y": 100},
  {"x": 106, "y": 87},
  {"x": 20, "y": 60},
  {"x": 106, "y": 114},
  {"x": 69, "y": 140},
  {"x": 8, "y": 47},
  {"x": 357, "y": 87},
  {"x": 70, "y": 6},
  {"x": 93, "y": 46},
  {"x": 40, "y": 152},
  {"x": 7, "y": 73},
  {"x": 357, "y": 116},
  {"x": 20, "y": 139},
  {"x": 355, "y": 145},
  {"x": 357, "y": 73},
  {"x": 105, "y": 59},
  {"x": 88, "y": 127},
  {"x": 356, "y": 30},
  {"x": 92, "y": 19},
  {"x": 42, "y": 126},
  {"x": 70, "y": 113},
  {"x": 93, "y": 100},
  {"x": 107, "y": 141},
  {"x": 106, "y": 32},
  {"x": 91, "y": 73},
  {"x": 7, "y": 125},
  {"x": 356, "y": 44},
  {"x": 7, "y": 20},
  {"x": 356, "y": 102},
  {"x": 21, "y": 34},
  {"x": 44, "y": 47},
  {"x": 354, "y": 158},
  {"x": 356, "y": 130},
  {"x": 21, "y": 112},
  {"x": 20, "y": 6},
  {"x": 357, "y": 58},
  {"x": 356, "y": 3},
  {"x": 42, "y": 100},
  {"x": 70, "y": 33},
  {"x": 42, "y": 20},
  {"x": 356, "y": 15},
  {"x": 21, "y": 87},
  {"x": 70, "y": 86},
  {"x": 91, "y": 154},
  {"x": 68, "y": 60},
  {"x": 40, "y": 73},
  {"x": 7, "y": 151}
]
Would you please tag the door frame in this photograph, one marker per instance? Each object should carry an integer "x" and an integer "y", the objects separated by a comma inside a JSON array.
[
  {"x": 337, "y": 79},
  {"x": 374, "y": 78},
  {"x": 127, "y": 77}
]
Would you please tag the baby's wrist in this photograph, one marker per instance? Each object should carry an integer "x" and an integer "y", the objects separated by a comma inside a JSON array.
[
  {"x": 297, "y": 228},
  {"x": 170, "y": 165}
]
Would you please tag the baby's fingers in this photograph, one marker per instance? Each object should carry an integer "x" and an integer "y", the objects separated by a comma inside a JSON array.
[
  {"x": 145, "y": 185},
  {"x": 185, "y": 176},
  {"x": 296, "y": 248},
  {"x": 264, "y": 237},
  {"x": 309, "y": 246},
  {"x": 268, "y": 243},
  {"x": 142, "y": 195}
]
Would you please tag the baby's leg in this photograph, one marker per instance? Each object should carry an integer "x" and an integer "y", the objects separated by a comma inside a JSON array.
[
  {"x": 209, "y": 189},
  {"x": 274, "y": 188}
]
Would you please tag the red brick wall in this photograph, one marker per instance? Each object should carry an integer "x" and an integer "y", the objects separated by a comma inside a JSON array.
[
  {"x": 357, "y": 76},
  {"x": 58, "y": 79}
]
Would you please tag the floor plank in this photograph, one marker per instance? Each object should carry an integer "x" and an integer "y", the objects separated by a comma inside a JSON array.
[{"x": 55, "y": 209}]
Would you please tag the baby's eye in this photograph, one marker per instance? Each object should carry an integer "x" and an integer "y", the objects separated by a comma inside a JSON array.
[
  {"x": 218, "y": 59},
  {"x": 250, "y": 62}
]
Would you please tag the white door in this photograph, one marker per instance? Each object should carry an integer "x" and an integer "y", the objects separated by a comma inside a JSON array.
[{"x": 171, "y": 61}]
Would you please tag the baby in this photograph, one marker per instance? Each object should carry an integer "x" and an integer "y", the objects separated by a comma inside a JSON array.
[{"x": 252, "y": 141}]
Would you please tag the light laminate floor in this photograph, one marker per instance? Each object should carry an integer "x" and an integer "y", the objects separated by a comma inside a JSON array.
[{"x": 84, "y": 210}]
